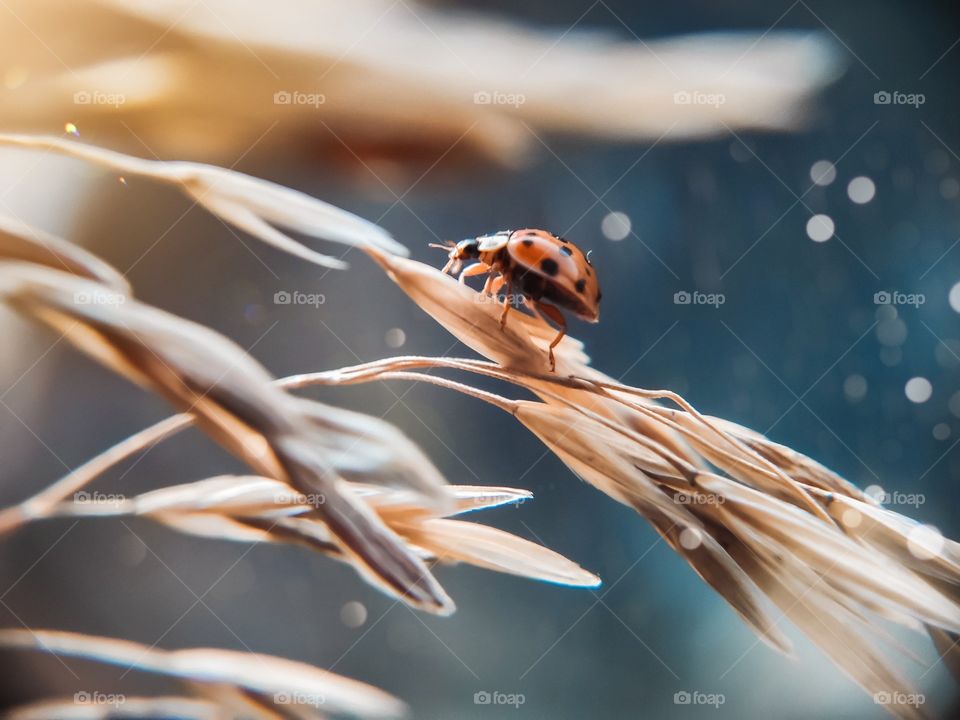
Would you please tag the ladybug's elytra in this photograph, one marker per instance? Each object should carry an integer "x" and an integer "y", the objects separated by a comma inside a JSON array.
[{"x": 547, "y": 271}]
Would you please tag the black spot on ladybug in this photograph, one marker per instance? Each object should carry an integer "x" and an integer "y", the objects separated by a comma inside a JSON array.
[
  {"x": 581, "y": 285},
  {"x": 527, "y": 242},
  {"x": 550, "y": 267},
  {"x": 566, "y": 251},
  {"x": 563, "y": 240}
]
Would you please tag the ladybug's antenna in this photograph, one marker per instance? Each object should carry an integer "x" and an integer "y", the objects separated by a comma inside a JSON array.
[{"x": 445, "y": 246}]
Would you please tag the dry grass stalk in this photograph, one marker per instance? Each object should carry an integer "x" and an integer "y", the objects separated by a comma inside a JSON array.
[
  {"x": 301, "y": 442},
  {"x": 256, "y": 509},
  {"x": 20, "y": 241},
  {"x": 755, "y": 519},
  {"x": 305, "y": 443},
  {"x": 250, "y": 204},
  {"x": 238, "y": 683},
  {"x": 182, "y": 708},
  {"x": 777, "y": 524},
  {"x": 200, "y": 81}
]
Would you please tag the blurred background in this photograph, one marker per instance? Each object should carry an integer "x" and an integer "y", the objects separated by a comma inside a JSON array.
[{"x": 775, "y": 219}]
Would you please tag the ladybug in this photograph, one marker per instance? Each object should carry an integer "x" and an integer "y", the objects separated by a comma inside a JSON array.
[{"x": 547, "y": 271}]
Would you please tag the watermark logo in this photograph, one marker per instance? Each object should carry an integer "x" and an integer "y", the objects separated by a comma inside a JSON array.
[
  {"x": 96, "y": 97},
  {"x": 96, "y": 697},
  {"x": 296, "y": 97},
  {"x": 696, "y": 97},
  {"x": 483, "y": 697},
  {"x": 512, "y": 299},
  {"x": 98, "y": 297},
  {"x": 298, "y": 698},
  {"x": 288, "y": 498},
  {"x": 884, "y": 497},
  {"x": 686, "y": 697},
  {"x": 899, "y": 698},
  {"x": 696, "y": 297},
  {"x": 895, "y": 97},
  {"x": 895, "y": 297},
  {"x": 699, "y": 499},
  {"x": 295, "y": 297},
  {"x": 495, "y": 97},
  {"x": 85, "y": 497}
]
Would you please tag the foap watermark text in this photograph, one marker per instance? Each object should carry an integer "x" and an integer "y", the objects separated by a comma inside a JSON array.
[
  {"x": 695, "y": 697},
  {"x": 895, "y": 297},
  {"x": 896, "y": 97},
  {"x": 683, "y": 297},
  {"x": 495, "y": 97},
  {"x": 295, "y": 297},
  {"x": 495, "y": 697}
]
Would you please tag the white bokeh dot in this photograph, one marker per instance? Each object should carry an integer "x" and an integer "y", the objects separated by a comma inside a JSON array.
[
  {"x": 395, "y": 337},
  {"x": 690, "y": 538},
  {"x": 875, "y": 492},
  {"x": 822, "y": 172},
  {"x": 918, "y": 389},
  {"x": 954, "y": 297},
  {"x": 924, "y": 542},
  {"x": 861, "y": 190},
  {"x": 615, "y": 226},
  {"x": 855, "y": 387},
  {"x": 820, "y": 228},
  {"x": 941, "y": 431},
  {"x": 954, "y": 404},
  {"x": 353, "y": 614},
  {"x": 892, "y": 333},
  {"x": 851, "y": 518}
]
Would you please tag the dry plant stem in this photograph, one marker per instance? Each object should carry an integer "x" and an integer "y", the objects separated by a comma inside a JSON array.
[
  {"x": 118, "y": 161},
  {"x": 42, "y": 504},
  {"x": 740, "y": 457},
  {"x": 253, "y": 205},
  {"x": 184, "y": 708},
  {"x": 223, "y": 676},
  {"x": 383, "y": 372}
]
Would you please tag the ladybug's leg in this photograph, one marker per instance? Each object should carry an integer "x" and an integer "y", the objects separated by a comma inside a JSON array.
[
  {"x": 475, "y": 269},
  {"x": 554, "y": 314},
  {"x": 494, "y": 283},
  {"x": 506, "y": 304}
]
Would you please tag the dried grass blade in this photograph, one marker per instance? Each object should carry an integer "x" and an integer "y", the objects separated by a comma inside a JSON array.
[
  {"x": 254, "y": 509},
  {"x": 261, "y": 674},
  {"x": 458, "y": 541},
  {"x": 831, "y": 625},
  {"x": 235, "y": 402},
  {"x": 860, "y": 571},
  {"x": 251, "y": 204},
  {"x": 182, "y": 708},
  {"x": 20, "y": 241}
]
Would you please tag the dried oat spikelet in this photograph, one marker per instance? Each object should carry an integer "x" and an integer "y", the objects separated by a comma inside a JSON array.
[
  {"x": 302, "y": 443},
  {"x": 257, "y": 509},
  {"x": 250, "y": 204},
  {"x": 755, "y": 519},
  {"x": 182, "y": 708},
  {"x": 407, "y": 77},
  {"x": 238, "y": 683}
]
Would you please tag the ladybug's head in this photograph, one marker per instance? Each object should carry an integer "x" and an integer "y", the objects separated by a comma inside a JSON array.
[
  {"x": 458, "y": 252},
  {"x": 466, "y": 249}
]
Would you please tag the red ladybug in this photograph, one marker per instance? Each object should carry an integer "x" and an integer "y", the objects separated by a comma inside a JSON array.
[{"x": 547, "y": 271}]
